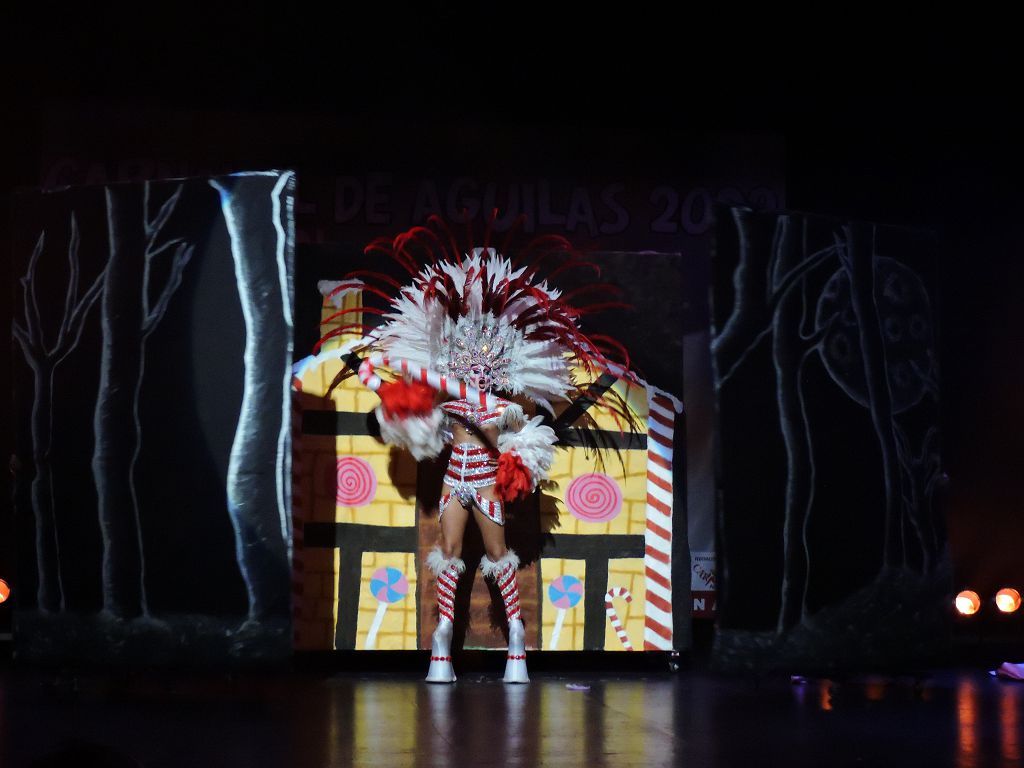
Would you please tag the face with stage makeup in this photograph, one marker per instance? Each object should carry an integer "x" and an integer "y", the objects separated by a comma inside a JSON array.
[{"x": 480, "y": 376}]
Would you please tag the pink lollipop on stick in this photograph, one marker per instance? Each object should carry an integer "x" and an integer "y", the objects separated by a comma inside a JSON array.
[
  {"x": 564, "y": 592},
  {"x": 613, "y": 615},
  {"x": 388, "y": 585}
]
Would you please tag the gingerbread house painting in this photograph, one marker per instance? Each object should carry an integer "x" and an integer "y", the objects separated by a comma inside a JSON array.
[{"x": 596, "y": 541}]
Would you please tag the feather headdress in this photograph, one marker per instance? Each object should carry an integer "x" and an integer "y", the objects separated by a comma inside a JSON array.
[{"x": 463, "y": 312}]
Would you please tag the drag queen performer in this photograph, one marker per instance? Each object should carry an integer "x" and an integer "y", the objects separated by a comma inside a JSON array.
[{"x": 469, "y": 326}]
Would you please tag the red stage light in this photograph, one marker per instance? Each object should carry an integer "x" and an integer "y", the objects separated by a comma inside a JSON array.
[
  {"x": 967, "y": 602},
  {"x": 1008, "y": 600},
  {"x": 5, "y": 591}
]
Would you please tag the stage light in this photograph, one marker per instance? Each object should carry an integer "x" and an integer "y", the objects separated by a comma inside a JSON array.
[
  {"x": 967, "y": 602},
  {"x": 1008, "y": 600},
  {"x": 5, "y": 591}
]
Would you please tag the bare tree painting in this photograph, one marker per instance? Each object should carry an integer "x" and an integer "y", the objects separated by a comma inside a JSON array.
[
  {"x": 44, "y": 358},
  {"x": 866, "y": 318},
  {"x": 259, "y": 468},
  {"x": 130, "y": 313},
  {"x": 193, "y": 284},
  {"x": 770, "y": 302}
]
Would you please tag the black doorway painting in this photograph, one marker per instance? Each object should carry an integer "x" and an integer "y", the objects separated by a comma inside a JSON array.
[
  {"x": 830, "y": 485},
  {"x": 152, "y": 344}
]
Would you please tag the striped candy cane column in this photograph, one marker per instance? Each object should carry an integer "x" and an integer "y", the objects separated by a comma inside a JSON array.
[
  {"x": 613, "y": 615},
  {"x": 658, "y": 533}
]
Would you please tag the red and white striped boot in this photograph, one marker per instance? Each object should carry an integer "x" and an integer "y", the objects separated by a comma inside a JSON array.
[
  {"x": 503, "y": 571},
  {"x": 447, "y": 571}
]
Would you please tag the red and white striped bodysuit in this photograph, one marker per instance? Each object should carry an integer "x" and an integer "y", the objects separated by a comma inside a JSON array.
[{"x": 473, "y": 466}]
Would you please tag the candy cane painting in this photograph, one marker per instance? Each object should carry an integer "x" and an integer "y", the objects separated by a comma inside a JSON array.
[{"x": 613, "y": 615}]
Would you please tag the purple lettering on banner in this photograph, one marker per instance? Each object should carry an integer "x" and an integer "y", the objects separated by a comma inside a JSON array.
[
  {"x": 507, "y": 213},
  {"x": 427, "y": 202},
  {"x": 696, "y": 211},
  {"x": 546, "y": 217},
  {"x": 378, "y": 198},
  {"x": 348, "y": 198},
  {"x": 669, "y": 198},
  {"x": 462, "y": 208},
  {"x": 621, "y": 221},
  {"x": 529, "y": 210},
  {"x": 581, "y": 210}
]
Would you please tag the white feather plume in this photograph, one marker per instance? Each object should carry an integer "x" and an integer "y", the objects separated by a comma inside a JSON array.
[
  {"x": 512, "y": 418},
  {"x": 420, "y": 434},
  {"x": 534, "y": 444}
]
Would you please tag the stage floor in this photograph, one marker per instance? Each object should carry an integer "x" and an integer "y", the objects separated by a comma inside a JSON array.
[{"x": 298, "y": 719}]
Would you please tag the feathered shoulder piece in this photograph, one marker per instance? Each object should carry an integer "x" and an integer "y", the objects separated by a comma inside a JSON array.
[{"x": 479, "y": 313}]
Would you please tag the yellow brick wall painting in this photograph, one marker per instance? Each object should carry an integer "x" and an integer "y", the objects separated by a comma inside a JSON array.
[
  {"x": 572, "y": 463},
  {"x": 329, "y": 483},
  {"x": 628, "y": 573},
  {"x": 394, "y": 473},
  {"x": 562, "y": 574},
  {"x": 387, "y": 602}
]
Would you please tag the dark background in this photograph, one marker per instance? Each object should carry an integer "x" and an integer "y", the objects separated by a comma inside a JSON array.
[{"x": 904, "y": 123}]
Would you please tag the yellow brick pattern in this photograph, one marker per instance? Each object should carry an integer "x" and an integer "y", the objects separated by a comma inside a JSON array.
[
  {"x": 629, "y": 573},
  {"x": 398, "y": 629},
  {"x": 395, "y": 502},
  {"x": 572, "y": 463},
  {"x": 571, "y": 636}
]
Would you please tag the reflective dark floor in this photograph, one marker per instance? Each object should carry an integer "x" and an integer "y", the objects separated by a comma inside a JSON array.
[{"x": 958, "y": 718}]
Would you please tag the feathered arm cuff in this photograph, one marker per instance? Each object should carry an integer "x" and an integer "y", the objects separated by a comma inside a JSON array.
[
  {"x": 421, "y": 435},
  {"x": 525, "y": 459},
  {"x": 408, "y": 419},
  {"x": 512, "y": 418}
]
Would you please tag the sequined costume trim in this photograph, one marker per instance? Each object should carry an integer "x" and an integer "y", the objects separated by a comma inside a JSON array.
[
  {"x": 471, "y": 467},
  {"x": 477, "y": 415},
  {"x": 491, "y": 509}
]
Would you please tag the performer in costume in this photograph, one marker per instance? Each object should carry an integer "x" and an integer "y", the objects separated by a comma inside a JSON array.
[{"x": 470, "y": 326}]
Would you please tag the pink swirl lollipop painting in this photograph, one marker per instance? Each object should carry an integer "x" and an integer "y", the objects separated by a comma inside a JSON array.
[
  {"x": 594, "y": 498},
  {"x": 356, "y": 482}
]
